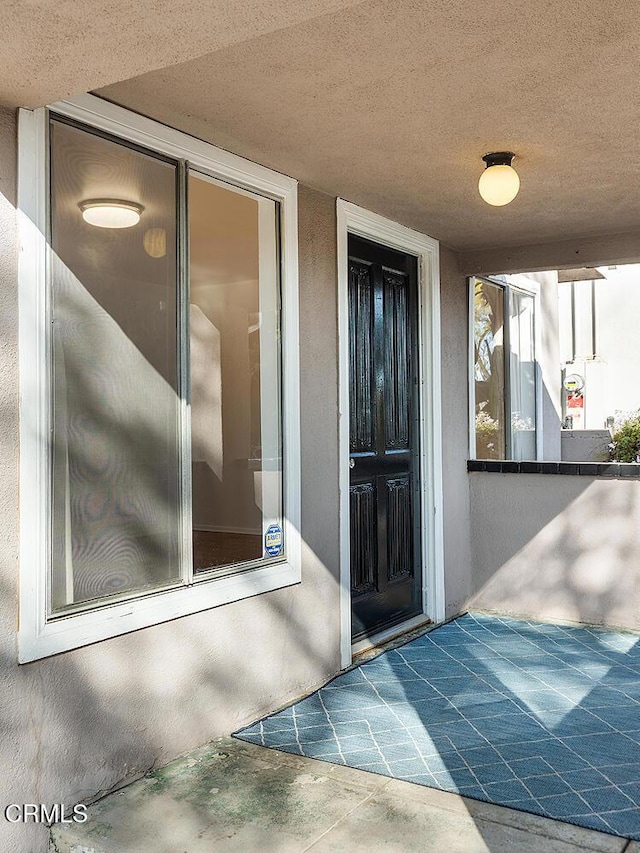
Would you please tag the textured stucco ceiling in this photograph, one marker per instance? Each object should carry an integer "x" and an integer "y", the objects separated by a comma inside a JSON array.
[
  {"x": 51, "y": 49},
  {"x": 392, "y": 104}
]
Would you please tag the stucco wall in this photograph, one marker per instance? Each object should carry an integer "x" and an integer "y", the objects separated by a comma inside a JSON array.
[
  {"x": 455, "y": 431},
  {"x": 557, "y": 547},
  {"x": 94, "y": 718},
  {"x": 87, "y": 720}
]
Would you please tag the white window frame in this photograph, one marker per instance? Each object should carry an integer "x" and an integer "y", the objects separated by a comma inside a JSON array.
[
  {"x": 521, "y": 284},
  {"x": 39, "y": 637}
]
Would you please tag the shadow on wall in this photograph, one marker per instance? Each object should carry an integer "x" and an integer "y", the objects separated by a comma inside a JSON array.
[
  {"x": 557, "y": 547},
  {"x": 79, "y": 724}
]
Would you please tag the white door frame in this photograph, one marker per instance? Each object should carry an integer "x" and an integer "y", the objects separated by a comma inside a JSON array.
[{"x": 356, "y": 220}]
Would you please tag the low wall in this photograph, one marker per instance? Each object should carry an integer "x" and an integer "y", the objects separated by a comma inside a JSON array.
[{"x": 552, "y": 546}]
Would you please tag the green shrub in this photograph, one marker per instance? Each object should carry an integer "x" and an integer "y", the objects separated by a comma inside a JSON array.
[{"x": 625, "y": 444}]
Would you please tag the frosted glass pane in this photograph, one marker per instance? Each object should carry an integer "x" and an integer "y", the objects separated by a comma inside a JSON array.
[
  {"x": 235, "y": 377},
  {"x": 115, "y": 514}
]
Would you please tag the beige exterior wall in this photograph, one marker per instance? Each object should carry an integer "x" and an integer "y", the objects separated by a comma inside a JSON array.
[
  {"x": 81, "y": 723},
  {"x": 455, "y": 432},
  {"x": 557, "y": 547},
  {"x": 577, "y": 251},
  {"x": 85, "y": 721},
  {"x": 91, "y": 719}
]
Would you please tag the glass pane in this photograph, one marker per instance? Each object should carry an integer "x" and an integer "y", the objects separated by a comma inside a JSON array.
[
  {"x": 235, "y": 369},
  {"x": 115, "y": 514},
  {"x": 488, "y": 335},
  {"x": 522, "y": 376}
]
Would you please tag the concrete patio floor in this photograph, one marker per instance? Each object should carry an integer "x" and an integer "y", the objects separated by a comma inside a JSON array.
[{"x": 235, "y": 797}]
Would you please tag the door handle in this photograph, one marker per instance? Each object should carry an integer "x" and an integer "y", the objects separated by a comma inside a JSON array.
[{"x": 352, "y": 463}]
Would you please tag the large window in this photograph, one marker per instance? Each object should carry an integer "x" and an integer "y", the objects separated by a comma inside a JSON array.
[
  {"x": 159, "y": 351},
  {"x": 503, "y": 382}
]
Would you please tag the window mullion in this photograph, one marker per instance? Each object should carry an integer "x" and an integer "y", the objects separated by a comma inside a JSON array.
[{"x": 186, "y": 544}]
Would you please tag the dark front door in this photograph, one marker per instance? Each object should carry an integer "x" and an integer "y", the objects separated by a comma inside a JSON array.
[{"x": 383, "y": 453}]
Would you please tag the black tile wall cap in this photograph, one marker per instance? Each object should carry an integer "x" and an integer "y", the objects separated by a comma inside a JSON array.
[
  {"x": 549, "y": 467},
  {"x": 608, "y": 469},
  {"x": 629, "y": 469},
  {"x": 568, "y": 468},
  {"x": 588, "y": 469}
]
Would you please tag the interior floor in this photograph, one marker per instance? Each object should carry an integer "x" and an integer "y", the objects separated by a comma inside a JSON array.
[{"x": 212, "y": 549}]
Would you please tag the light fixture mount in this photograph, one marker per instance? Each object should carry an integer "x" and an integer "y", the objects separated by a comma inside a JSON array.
[
  {"x": 499, "y": 183},
  {"x": 499, "y": 158}
]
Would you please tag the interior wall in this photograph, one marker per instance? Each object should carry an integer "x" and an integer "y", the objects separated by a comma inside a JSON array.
[
  {"x": 225, "y": 495},
  {"x": 94, "y": 718},
  {"x": 556, "y": 547}
]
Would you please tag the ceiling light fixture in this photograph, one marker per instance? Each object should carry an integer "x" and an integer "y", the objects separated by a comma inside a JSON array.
[
  {"x": 499, "y": 183},
  {"x": 110, "y": 212}
]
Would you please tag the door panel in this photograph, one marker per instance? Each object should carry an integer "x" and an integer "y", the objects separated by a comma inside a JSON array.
[
  {"x": 397, "y": 362},
  {"x": 399, "y": 528},
  {"x": 363, "y": 538},
  {"x": 361, "y": 358},
  {"x": 384, "y": 476}
]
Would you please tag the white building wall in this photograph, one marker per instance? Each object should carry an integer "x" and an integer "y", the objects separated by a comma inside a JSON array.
[{"x": 611, "y": 369}]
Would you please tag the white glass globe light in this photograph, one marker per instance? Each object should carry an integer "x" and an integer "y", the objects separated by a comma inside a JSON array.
[
  {"x": 499, "y": 183},
  {"x": 111, "y": 213}
]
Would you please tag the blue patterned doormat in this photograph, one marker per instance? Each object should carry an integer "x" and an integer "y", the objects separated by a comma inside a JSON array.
[{"x": 536, "y": 717}]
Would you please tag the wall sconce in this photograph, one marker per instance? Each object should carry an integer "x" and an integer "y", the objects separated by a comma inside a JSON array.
[
  {"x": 499, "y": 183},
  {"x": 110, "y": 212}
]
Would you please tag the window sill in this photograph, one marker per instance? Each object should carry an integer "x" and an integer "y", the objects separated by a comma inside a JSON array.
[
  {"x": 74, "y": 631},
  {"x": 609, "y": 470}
]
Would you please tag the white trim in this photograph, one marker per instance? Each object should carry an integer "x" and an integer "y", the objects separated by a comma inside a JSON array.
[
  {"x": 33, "y": 368},
  {"x": 522, "y": 284},
  {"x": 202, "y": 156},
  {"x": 352, "y": 219},
  {"x": 471, "y": 367},
  {"x": 37, "y": 636},
  {"x": 80, "y": 629}
]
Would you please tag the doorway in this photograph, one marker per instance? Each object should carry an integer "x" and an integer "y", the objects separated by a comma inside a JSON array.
[
  {"x": 412, "y": 255},
  {"x": 384, "y": 438}
]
